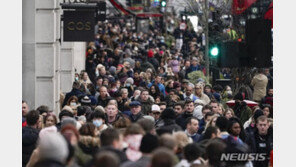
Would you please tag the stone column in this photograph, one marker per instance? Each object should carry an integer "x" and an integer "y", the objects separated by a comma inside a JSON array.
[
  {"x": 41, "y": 51},
  {"x": 28, "y": 52}
]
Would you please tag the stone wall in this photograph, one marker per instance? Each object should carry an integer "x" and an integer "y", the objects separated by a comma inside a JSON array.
[{"x": 48, "y": 64}]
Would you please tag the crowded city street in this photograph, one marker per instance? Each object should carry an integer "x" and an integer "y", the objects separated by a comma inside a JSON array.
[{"x": 151, "y": 83}]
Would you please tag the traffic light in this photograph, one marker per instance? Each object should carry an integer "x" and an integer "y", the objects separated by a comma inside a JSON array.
[
  {"x": 214, "y": 51},
  {"x": 163, "y": 3}
]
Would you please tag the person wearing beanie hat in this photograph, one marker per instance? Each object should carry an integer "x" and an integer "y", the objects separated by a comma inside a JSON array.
[
  {"x": 149, "y": 143},
  {"x": 150, "y": 53},
  {"x": 168, "y": 116},
  {"x": 85, "y": 101},
  {"x": 53, "y": 151},
  {"x": 241, "y": 110},
  {"x": 217, "y": 96}
]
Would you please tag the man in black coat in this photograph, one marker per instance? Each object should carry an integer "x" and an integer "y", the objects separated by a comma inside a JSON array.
[
  {"x": 261, "y": 141},
  {"x": 181, "y": 119},
  {"x": 30, "y": 135},
  {"x": 103, "y": 99}
]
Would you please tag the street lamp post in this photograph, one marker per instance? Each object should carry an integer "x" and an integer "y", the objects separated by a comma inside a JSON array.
[{"x": 207, "y": 38}]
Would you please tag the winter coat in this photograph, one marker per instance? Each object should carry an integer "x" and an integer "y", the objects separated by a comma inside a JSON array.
[
  {"x": 135, "y": 118},
  {"x": 87, "y": 147},
  {"x": 257, "y": 145},
  {"x": 204, "y": 98},
  {"x": 29, "y": 141},
  {"x": 259, "y": 82},
  {"x": 118, "y": 117},
  {"x": 102, "y": 102}
]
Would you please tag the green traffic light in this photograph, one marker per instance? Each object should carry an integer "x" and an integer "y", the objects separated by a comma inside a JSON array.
[
  {"x": 163, "y": 3},
  {"x": 214, "y": 51}
]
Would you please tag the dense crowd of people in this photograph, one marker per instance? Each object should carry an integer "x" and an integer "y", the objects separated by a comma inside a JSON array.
[{"x": 135, "y": 105}]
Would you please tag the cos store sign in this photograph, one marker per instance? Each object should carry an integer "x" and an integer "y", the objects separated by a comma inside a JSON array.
[{"x": 79, "y": 25}]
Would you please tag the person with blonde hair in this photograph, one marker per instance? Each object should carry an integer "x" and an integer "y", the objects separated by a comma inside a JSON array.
[
  {"x": 182, "y": 140},
  {"x": 229, "y": 113},
  {"x": 199, "y": 93}
]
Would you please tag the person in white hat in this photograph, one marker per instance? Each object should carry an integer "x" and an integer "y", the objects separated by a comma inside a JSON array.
[{"x": 155, "y": 113}]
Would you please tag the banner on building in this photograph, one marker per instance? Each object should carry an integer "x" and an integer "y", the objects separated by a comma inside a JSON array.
[{"x": 79, "y": 25}]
